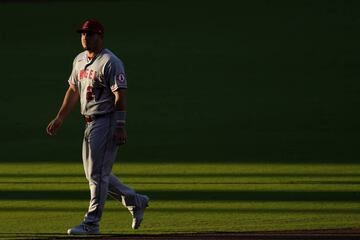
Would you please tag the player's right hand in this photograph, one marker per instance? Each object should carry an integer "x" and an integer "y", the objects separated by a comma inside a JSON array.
[{"x": 53, "y": 126}]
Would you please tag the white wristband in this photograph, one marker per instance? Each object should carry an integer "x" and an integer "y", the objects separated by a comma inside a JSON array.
[{"x": 120, "y": 117}]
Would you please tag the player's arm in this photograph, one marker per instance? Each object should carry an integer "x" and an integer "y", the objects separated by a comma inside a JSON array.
[
  {"x": 120, "y": 134},
  {"x": 70, "y": 100},
  {"x": 120, "y": 100}
]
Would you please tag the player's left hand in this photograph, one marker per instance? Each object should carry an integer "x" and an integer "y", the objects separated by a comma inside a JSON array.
[{"x": 120, "y": 135}]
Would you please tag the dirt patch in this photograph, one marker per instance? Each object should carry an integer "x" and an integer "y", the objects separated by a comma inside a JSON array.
[{"x": 328, "y": 234}]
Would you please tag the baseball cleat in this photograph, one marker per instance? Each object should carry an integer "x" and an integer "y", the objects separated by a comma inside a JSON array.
[
  {"x": 83, "y": 229},
  {"x": 138, "y": 211}
]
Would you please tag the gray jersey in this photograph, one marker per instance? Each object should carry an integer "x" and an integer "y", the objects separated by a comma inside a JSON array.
[{"x": 96, "y": 81}]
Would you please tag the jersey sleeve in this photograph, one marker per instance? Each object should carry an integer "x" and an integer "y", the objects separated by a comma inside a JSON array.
[
  {"x": 73, "y": 76},
  {"x": 116, "y": 75}
]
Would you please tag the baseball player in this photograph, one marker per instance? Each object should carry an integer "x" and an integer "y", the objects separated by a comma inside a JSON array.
[{"x": 98, "y": 80}]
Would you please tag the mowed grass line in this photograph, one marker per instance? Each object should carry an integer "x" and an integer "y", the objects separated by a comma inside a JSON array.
[{"x": 186, "y": 197}]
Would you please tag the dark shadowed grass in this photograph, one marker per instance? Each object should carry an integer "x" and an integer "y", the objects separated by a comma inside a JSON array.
[{"x": 258, "y": 81}]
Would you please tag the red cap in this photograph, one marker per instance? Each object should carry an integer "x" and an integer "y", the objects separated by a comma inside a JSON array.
[{"x": 91, "y": 25}]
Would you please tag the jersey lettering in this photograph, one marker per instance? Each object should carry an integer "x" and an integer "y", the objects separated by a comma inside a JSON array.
[
  {"x": 97, "y": 80},
  {"x": 87, "y": 74},
  {"x": 91, "y": 74}
]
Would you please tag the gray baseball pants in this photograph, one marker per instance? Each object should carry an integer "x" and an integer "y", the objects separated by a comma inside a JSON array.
[{"x": 99, "y": 152}]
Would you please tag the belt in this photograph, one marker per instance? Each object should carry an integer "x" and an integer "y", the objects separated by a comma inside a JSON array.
[{"x": 89, "y": 119}]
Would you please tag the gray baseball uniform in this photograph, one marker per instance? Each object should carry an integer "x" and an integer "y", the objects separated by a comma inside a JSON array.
[{"x": 96, "y": 79}]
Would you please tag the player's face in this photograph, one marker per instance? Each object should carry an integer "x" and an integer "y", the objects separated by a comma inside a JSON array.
[{"x": 90, "y": 41}]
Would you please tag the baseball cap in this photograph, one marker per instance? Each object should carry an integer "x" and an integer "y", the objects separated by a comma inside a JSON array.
[{"x": 91, "y": 25}]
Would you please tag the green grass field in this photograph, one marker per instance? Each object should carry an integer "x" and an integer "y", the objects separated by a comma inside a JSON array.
[
  {"x": 241, "y": 117},
  {"x": 186, "y": 197}
]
